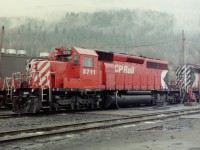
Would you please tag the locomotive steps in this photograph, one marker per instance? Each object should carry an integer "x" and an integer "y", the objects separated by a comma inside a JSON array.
[{"x": 12, "y": 136}]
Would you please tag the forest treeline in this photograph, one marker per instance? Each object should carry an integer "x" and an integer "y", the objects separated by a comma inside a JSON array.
[{"x": 148, "y": 33}]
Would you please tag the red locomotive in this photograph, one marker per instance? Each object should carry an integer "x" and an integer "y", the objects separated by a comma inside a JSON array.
[{"x": 76, "y": 78}]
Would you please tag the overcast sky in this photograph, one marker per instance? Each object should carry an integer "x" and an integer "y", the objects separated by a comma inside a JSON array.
[{"x": 187, "y": 12}]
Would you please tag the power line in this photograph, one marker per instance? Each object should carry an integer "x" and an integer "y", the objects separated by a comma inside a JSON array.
[
  {"x": 146, "y": 45},
  {"x": 159, "y": 43}
]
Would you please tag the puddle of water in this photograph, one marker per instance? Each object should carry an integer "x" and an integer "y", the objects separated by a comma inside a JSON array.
[
  {"x": 161, "y": 115},
  {"x": 152, "y": 122},
  {"x": 40, "y": 133},
  {"x": 127, "y": 126},
  {"x": 131, "y": 125},
  {"x": 70, "y": 136},
  {"x": 161, "y": 127}
]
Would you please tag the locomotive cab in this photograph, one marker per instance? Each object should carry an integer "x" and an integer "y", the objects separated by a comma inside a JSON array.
[
  {"x": 82, "y": 72},
  {"x": 64, "y": 80}
]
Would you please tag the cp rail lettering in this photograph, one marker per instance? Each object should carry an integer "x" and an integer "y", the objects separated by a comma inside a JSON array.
[{"x": 124, "y": 69}]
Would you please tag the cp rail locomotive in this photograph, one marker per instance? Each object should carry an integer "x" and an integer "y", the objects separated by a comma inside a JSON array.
[{"x": 76, "y": 78}]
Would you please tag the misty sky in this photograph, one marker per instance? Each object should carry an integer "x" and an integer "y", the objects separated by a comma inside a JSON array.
[{"x": 187, "y": 12}]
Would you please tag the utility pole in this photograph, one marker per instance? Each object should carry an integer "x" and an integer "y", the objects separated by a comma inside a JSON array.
[
  {"x": 1, "y": 46},
  {"x": 183, "y": 62},
  {"x": 1, "y": 43},
  {"x": 182, "y": 58}
]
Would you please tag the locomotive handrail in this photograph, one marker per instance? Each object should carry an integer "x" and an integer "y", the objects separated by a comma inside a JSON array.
[
  {"x": 3, "y": 84},
  {"x": 6, "y": 80},
  {"x": 17, "y": 79}
]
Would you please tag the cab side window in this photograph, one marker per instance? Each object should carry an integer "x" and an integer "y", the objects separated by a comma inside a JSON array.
[
  {"x": 76, "y": 60},
  {"x": 88, "y": 62}
]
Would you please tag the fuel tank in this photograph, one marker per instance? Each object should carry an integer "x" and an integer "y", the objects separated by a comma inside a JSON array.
[{"x": 112, "y": 101}]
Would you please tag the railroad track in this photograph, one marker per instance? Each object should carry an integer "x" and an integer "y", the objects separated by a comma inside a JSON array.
[
  {"x": 24, "y": 134},
  {"x": 6, "y": 116},
  {"x": 13, "y": 116}
]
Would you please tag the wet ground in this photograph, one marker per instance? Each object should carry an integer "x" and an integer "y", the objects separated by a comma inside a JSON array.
[
  {"x": 173, "y": 134},
  {"x": 182, "y": 133},
  {"x": 142, "y": 110}
]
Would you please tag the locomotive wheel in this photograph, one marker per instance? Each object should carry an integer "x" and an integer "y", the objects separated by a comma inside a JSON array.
[{"x": 100, "y": 102}]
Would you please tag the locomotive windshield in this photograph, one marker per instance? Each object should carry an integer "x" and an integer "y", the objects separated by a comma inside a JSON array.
[
  {"x": 67, "y": 52},
  {"x": 64, "y": 55}
]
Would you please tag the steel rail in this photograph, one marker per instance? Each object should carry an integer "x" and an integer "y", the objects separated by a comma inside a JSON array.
[
  {"x": 23, "y": 134},
  {"x": 42, "y": 114},
  {"x": 6, "y": 116}
]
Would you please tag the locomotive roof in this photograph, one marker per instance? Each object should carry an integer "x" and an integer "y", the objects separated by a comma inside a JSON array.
[
  {"x": 111, "y": 56},
  {"x": 85, "y": 51}
]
